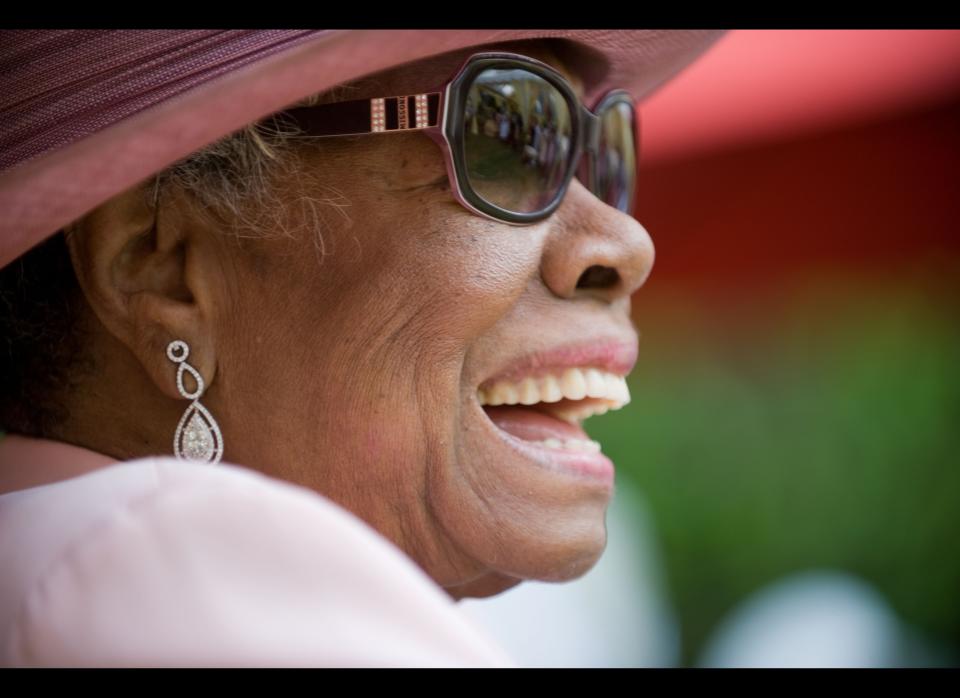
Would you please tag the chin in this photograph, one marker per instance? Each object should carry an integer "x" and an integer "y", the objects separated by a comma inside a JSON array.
[
  {"x": 515, "y": 509},
  {"x": 518, "y": 517},
  {"x": 489, "y": 584}
]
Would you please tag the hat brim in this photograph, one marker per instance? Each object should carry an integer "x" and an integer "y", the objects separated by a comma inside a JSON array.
[{"x": 45, "y": 193}]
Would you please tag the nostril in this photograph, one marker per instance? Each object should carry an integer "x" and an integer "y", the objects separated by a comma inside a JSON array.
[{"x": 599, "y": 276}]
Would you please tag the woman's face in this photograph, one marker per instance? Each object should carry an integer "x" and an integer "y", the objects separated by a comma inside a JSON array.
[{"x": 349, "y": 358}]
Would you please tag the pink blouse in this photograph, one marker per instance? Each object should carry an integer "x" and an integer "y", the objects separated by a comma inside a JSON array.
[{"x": 156, "y": 562}]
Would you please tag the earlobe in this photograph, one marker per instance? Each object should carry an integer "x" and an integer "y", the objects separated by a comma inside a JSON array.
[{"x": 131, "y": 262}]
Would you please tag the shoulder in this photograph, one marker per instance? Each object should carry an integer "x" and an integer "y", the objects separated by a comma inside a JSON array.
[{"x": 156, "y": 562}]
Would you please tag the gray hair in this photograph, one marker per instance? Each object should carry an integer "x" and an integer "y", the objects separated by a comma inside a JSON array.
[{"x": 236, "y": 179}]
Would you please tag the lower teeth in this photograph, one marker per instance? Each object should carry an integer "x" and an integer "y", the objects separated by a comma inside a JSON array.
[{"x": 571, "y": 445}]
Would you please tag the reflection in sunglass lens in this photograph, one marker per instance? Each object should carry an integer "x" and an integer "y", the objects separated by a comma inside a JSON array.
[
  {"x": 517, "y": 139},
  {"x": 616, "y": 165}
]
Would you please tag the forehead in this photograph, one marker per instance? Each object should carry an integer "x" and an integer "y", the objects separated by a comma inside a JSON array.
[{"x": 430, "y": 73}]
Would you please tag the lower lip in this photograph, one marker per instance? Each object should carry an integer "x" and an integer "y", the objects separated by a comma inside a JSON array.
[{"x": 594, "y": 468}]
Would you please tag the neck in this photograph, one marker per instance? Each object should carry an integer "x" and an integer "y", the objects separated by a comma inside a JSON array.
[{"x": 29, "y": 462}]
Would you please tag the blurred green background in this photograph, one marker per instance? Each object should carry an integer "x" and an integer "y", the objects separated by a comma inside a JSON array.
[{"x": 830, "y": 444}]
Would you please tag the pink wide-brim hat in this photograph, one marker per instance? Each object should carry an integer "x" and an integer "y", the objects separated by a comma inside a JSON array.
[{"x": 85, "y": 115}]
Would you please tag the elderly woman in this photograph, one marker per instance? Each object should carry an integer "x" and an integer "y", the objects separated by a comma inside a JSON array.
[{"x": 281, "y": 395}]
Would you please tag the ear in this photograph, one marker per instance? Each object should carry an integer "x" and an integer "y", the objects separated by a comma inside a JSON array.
[{"x": 144, "y": 270}]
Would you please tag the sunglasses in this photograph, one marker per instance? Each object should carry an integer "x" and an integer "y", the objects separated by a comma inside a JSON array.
[{"x": 512, "y": 131}]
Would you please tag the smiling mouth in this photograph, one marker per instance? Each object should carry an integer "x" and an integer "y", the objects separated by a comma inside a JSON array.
[{"x": 548, "y": 409}]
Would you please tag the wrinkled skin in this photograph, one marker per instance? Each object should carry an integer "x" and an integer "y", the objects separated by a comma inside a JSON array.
[{"x": 357, "y": 376}]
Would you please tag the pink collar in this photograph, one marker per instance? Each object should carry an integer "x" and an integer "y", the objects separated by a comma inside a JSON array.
[{"x": 29, "y": 462}]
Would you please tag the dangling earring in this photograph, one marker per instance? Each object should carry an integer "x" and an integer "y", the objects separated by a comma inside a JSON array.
[{"x": 198, "y": 435}]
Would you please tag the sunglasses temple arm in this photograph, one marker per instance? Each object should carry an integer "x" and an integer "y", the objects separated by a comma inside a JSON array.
[{"x": 362, "y": 116}]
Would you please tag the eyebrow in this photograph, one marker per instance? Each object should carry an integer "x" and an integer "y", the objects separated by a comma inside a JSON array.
[{"x": 360, "y": 116}]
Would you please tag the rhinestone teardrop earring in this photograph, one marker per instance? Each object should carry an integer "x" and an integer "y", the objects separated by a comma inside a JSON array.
[{"x": 198, "y": 435}]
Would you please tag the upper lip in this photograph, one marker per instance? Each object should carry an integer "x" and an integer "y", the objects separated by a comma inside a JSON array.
[{"x": 614, "y": 355}]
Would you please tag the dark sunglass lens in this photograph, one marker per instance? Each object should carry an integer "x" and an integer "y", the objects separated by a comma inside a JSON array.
[
  {"x": 616, "y": 164},
  {"x": 517, "y": 139}
]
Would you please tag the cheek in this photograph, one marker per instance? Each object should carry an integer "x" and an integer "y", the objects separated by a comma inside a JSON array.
[
  {"x": 471, "y": 272},
  {"x": 408, "y": 269},
  {"x": 417, "y": 251}
]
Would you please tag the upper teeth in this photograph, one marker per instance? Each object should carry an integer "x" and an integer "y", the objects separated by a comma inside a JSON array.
[{"x": 573, "y": 383}]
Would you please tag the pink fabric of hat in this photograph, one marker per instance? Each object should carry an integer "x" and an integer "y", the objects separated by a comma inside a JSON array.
[{"x": 84, "y": 115}]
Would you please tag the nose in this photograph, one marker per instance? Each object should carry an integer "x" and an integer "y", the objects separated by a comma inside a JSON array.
[{"x": 594, "y": 250}]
